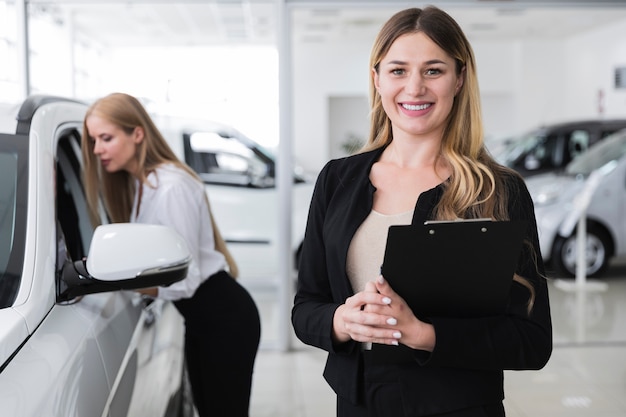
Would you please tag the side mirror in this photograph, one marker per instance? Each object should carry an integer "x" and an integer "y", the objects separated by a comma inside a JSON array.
[{"x": 126, "y": 256}]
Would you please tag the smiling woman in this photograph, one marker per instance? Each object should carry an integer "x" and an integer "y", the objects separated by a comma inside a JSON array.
[{"x": 425, "y": 160}]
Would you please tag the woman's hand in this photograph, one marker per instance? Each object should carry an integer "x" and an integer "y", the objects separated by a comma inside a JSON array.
[
  {"x": 415, "y": 333},
  {"x": 362, "y": 318},
  {"x": 152, "y": 291},
  {"x": 379, "y": 315}
]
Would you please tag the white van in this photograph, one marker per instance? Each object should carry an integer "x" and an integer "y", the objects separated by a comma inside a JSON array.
[{"x": 240, "y": 178}]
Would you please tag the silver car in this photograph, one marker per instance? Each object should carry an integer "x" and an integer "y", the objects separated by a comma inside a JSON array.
[
  {"x": 594, "y": 184},
  {"x": 74, "y": 340},
  {"x": 550, "y": 148}
]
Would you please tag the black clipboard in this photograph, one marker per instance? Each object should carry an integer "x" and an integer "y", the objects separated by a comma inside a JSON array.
[{"x": 454, "y": 268}]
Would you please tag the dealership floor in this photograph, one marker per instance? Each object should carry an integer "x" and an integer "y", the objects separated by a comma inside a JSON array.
[{"x": 586, "y": 375}]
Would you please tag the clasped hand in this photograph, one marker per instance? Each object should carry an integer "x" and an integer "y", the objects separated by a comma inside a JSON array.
[{"x": 379, "y": 315}]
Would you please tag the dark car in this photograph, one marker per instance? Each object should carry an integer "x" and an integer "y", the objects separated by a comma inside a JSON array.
[{"x": 550, "y": 148}]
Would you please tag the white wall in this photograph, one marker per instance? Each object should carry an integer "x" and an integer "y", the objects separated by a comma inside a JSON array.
[
  {"x": 523, "y": 84},
  {"x": 320, "y": 72},
  {"x": 591, "y": 60}
]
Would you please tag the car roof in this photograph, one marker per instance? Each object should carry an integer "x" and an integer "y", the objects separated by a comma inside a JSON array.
[{"x": 583, "y": 123}]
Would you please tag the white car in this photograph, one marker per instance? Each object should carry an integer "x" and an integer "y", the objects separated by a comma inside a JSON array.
[
  {"x": 74, "y": 341},
  {"x": 597, "y": 177},
  {"x": 240, "y": 179}
]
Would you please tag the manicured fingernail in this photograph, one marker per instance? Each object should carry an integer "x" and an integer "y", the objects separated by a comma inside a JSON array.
[
  {"x": 397, "y": 335},
  {"x": 381, "y": 279},
  {"x": 395, "y": 343},
  {"x": 386, "y": 300},
  {"x": 392, "y": 321}
]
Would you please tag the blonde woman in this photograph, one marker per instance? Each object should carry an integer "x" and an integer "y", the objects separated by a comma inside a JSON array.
[
  {"x": 425, "y": 160},
  {"x": 128, "y": 163}
]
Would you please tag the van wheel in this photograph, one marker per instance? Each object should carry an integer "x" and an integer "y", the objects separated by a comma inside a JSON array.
[{"x": 596, "y": 258}]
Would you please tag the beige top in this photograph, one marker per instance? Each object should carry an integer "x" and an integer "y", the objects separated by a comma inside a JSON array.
[{"x": 367, "y": 249}]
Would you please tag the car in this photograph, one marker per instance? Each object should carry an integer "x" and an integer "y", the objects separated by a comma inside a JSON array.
[
  {"x": 593, "y": 185},
  {"x": 240, "y": 179},
  {"x": 551, "y": 147},
  {"x": 74, "y": 338}
]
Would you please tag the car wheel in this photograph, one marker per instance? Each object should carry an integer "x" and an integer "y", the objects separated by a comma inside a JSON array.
[
  {"x": 181, "y": 403},
  {"x": 596, "y": 258},
  {"x": 187, "y": 408}
]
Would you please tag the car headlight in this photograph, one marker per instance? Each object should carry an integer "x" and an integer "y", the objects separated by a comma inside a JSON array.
[{"x": 547, "y": 196}]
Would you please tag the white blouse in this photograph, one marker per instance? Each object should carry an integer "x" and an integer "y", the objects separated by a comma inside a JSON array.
[{"x": 173, "y": 198}]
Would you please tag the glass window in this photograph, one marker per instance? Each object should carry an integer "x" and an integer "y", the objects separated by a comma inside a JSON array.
[
  {"x": 13, "y": 197},
  {"x": 72, "y": 212}
]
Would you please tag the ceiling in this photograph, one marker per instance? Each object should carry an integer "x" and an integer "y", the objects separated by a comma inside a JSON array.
[{"x": 224, "y": 22}]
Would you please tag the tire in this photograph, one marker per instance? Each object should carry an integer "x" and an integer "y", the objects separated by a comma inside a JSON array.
[
  {"x": 181, "y": 403},
  {"x": 598, "y": 252},
  {"x": 187, "y": 408}
]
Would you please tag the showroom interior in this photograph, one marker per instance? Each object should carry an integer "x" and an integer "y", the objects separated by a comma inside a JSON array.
[{"x": 293, "y": 76}]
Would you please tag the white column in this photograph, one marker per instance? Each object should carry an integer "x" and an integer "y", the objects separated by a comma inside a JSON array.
[
  {"x": 284, "y": 172},
  {"x": 23, "y": 47}
]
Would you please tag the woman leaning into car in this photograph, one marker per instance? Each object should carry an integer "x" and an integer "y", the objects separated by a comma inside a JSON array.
[{"x": 130, "y": 165}]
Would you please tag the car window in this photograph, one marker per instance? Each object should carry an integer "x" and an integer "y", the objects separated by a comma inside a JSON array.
[
  {"x": 606, "y": 131},
  {"x": 604, "y": 154},
  {"x": 547, "y": 152},
  {"x": 577, "y": 143},
  {"x": 8, "y": 188},
  {"x": 225, "y": 160},
  {"x": 13, "y": 200},
  {"x": 71, "y": 204}
]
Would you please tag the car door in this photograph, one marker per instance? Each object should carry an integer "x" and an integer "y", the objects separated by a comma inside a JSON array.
[
  {"x": 110, "y": 319},
  {"x": 139, "y": 340},
  {"x": 239, "y": 177},
  {"x": 105, "y": 354}
]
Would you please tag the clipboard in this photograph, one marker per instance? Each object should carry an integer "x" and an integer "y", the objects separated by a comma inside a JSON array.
[{"x": 454, "y": 268}]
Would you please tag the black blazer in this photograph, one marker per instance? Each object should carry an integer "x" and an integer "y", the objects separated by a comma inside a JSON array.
[{"x": 466, "y": 366}]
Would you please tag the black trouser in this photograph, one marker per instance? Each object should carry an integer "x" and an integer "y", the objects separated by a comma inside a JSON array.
[
  {"x": 222, "y": 334},
  {"x": 347, "y": 409},
  {"x": 384, "y": 397}
]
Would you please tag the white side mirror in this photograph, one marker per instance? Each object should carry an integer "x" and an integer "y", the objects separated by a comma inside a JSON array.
[
  {"x": 126, "y": 250},
  {"x": 126, "y": 256}
]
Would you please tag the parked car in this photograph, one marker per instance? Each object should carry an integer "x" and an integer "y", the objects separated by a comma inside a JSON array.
[
  {"x": 73, "y": 340},
  {"x": 551, "y": 147},
  {"x": 558, "y": 199},
  {"x": 240, "y": 179}
]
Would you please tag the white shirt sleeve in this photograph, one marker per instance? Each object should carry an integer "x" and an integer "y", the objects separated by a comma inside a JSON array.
[{"x": 178, "y": 201}]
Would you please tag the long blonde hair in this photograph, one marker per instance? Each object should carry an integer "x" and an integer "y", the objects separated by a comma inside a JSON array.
[
  {"x": 474, "y": 189},
  {"x": 117, "y": 189}
]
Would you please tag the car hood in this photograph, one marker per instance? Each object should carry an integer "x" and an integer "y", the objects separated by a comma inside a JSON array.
[{"x": 553, "y": 188}]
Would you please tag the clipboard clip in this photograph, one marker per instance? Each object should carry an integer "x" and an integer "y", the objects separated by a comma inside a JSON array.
[{"x": 480, "y": 219}]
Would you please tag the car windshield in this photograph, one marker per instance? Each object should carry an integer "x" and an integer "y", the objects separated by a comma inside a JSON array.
[
  {"x": 13, "y": 186},
  {"x": 518, "y": 146},
  {"x": 604, "y": 154}
]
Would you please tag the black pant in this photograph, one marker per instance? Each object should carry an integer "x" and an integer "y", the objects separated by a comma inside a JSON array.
[
  {"x": 222, "y": 334},
  {"x": 394, "y": 408},
  {"x": 382, "y": 390}
]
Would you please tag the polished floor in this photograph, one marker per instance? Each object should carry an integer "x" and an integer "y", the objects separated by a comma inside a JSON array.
[{"x": 586, "y": 375}]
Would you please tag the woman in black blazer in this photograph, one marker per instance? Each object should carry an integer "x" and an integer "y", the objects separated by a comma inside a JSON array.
[{"x": 425, "y": 159}]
